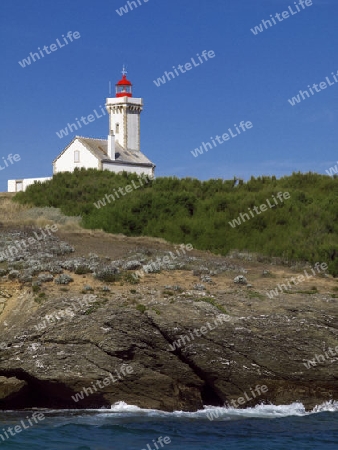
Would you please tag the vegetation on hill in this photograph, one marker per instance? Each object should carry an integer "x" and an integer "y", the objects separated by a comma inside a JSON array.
[{"x": 302, "y": 227}]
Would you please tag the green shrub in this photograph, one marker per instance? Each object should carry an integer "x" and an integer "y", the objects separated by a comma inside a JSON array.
[
  {"x": 82, "y": 270},
  {"x": 141, "y": 308},
  {"x": 40, "y": 298},
  {"x": 130, "y": 279},
  {"x": 301, "y": 228},
  {"x": 212, "y": 302}
]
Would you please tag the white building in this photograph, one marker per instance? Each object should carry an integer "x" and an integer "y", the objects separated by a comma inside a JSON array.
[
  {"x": 119, "y": 152},
  {"x": 21, "y": 185}
]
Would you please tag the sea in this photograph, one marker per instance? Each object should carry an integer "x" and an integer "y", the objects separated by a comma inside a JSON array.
[{"x": 126, "y": 427}]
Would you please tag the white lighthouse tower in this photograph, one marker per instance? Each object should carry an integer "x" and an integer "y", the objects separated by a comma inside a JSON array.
[{"x": 124, "y": 118}]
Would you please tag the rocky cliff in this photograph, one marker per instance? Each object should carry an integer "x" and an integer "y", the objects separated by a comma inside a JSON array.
[{"x": 79, "y": 314}]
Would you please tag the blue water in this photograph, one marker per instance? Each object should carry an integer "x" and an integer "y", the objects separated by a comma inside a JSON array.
[{"x": 126, "y": 427}]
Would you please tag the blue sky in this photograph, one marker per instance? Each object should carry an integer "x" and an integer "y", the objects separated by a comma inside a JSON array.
[{"x": 250, "y": 78}]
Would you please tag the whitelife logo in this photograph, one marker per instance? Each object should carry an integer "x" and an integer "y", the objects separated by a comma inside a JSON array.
[
  {"x": 296, "y": 280},
  {"x": 124, "y": 190},
  {"x": 16, "y": 428},
  {"x": 22, "y": 245},
  {"x": 187, "y": 66},
  {"x": 321, "y": 358},
  {"x": 332, "y": 170},
  {"x": 123, "y": 372},
  {"x": 245, "y": 216},
  {"x": 259, "y": 390},
  {"x": 10, "y": 159},
  {"x": 73, "y": 127},
  {"x": 225, "y": 137},
  {"x": 129, "y": 6},
  {"x": 284, "y": 14},
  {"x": 303, "y": 95},
  {"x": 32, "y": 57}
]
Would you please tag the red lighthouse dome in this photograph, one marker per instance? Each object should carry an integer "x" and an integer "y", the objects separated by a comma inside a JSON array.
[{"x": 123, "y": 87}]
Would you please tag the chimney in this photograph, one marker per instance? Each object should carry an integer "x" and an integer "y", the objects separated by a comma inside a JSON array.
[{"x": 111, "y": 146}]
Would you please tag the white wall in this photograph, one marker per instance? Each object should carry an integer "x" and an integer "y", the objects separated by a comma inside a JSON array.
[
  {"x": 133, "y": 140},
  {"x": 22, "y": 184},
  {"x": 122, "y": 168},
  {"x": 126, "y": 112},
  {"x": 66, "y": 161}
]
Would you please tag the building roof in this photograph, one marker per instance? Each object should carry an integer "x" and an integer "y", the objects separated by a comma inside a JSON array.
[{"x": 98, "y": 147}]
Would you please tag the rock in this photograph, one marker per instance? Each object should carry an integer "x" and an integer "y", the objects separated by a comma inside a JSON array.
[
  {"x": 132, "y": 265},
  {"x": 63, "y": 279},
  {"x": 10, "y": 386},
  {"x": 59, "y": 341},
  {"x": 206, "y": 279},
  {"x": 26, "y": 277},
  {"x": 199, "y": 287},
  {"x": 87, "y": 288},
  {"x": 240, "y": 279},
  {"x": 45, "y": 277},
  {"x": 13, "y": 274}
]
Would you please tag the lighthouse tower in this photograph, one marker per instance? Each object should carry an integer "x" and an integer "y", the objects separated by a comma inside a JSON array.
[{"x": 124, "y": 118}]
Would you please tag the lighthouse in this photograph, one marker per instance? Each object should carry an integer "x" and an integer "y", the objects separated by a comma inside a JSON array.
[
  {"x": 119, "y": 153},
  {"x": 124, "y": 118}
]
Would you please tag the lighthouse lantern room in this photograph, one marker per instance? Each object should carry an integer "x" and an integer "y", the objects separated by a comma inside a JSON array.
[{"x": 123, "y": 87}]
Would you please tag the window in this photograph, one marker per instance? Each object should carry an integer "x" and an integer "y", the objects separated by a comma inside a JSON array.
[
  {"x": 117, "y": 130},
  {"x": 76, "y": 156}
]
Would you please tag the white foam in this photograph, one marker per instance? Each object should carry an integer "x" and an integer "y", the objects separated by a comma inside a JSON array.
[
  {"x": 215, "y": 413},
  {"x": 228, "y": 413}
]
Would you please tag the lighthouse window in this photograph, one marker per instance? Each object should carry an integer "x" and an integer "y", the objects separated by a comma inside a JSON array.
[
  {"x": 76, "y": 156},
  {"x": 117, "y": 130}
]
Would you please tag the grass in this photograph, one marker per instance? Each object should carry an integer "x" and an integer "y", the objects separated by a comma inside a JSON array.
[
  {"x": 166, "y": 292},
  {"x": 309, "y": 292},
  {"x": 212, "y": 302},
  {"x": 40, "y": 298},
  {"x": 255, "y": 294},
  {"x": 141, "y": 308},
  {"x": 268, "y": 274},
  {"x": 96, "y": 305},
  {"x": 128, "y": 278}
]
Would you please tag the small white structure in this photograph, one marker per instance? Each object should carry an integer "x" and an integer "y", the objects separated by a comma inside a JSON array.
[
  {"x": 21, "y": 185},
  {"x": 120, "y": 152}
]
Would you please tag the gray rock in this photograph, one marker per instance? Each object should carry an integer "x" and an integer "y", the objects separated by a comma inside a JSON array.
[
  {"x": 240, "y": 279},
  {"x": 14, "y": 274},
  {"x": 199, "y": 287},
  {"x": 45, "y": 277},
  {"x": 132, "y": 265},
  {"x": 63, "y": 279}
]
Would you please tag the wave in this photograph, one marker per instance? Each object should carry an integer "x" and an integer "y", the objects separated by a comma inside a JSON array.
[
  {"x": 228, "y": 413},
  {"x": 212, "y": 413}
]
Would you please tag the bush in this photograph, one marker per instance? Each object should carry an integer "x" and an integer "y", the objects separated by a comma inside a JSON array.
[
  {"x": 301, "y": 228},
  {"x": 141, "y": 308},
  {"x": 108, "y": 274}
]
